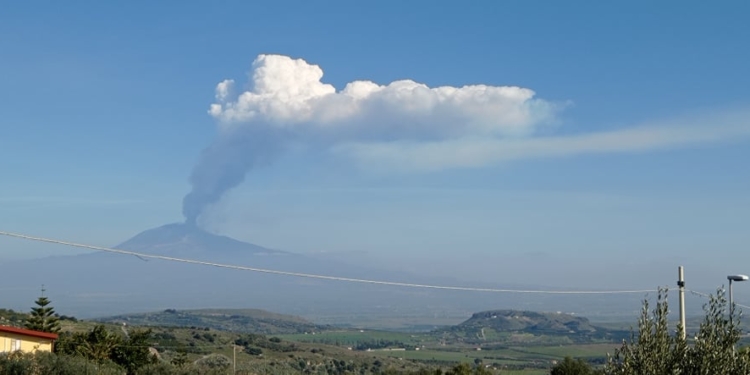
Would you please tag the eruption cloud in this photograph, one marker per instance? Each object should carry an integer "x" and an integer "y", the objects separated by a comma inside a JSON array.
[
  {"x": 287, "y": 100},
  {"x": 222, "y": 166}
]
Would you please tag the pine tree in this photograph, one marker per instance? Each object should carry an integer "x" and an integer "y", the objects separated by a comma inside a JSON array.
[{"x": 42, "y": 317}]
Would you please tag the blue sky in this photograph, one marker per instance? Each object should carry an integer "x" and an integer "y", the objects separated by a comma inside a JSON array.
[{"x": 105, "y": 112}]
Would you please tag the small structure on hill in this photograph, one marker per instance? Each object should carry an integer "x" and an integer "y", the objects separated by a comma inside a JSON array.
[{"x": 25, "y": 340}]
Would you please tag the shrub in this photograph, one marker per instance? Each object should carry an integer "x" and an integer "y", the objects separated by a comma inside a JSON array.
[{"x": 659, "y": 350}]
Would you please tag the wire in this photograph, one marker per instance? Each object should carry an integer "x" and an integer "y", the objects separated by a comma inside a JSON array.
[
  {"x": 314, "y": 276},
  {"x": 708, "y": 295},
  {"x": 699, "y": 294}
]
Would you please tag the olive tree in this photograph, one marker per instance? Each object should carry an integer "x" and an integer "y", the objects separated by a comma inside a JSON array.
[{"x": 658, "y": 349}]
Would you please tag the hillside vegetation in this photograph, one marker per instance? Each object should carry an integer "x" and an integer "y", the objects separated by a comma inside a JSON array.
[
  {"x": 499, "y": 326},
  {"x": 234, "y": 320},
  {"x": 12, "y": 318},
  {"x": 509, "y": 341},
  {"x": 529, "y": 321}
]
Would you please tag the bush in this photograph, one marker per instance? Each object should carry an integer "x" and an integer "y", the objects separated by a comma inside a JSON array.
[
  {"x": 52, "y": 364},
  {"x": 253, "y": 351},
  {"x": 570, "y": 366},
  {"x": 215, "y": 361},
  {"x": 659, "y": 350}
]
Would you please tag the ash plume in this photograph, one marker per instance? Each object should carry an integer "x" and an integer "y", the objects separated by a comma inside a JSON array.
[
  {"x": 287, "y": 99},
  {"x": 223, "y": 166}
]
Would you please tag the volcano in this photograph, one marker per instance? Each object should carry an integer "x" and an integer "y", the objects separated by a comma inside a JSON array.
[
  {"x": 102, "y": 283},
  {"x": 189, "y": 241}
]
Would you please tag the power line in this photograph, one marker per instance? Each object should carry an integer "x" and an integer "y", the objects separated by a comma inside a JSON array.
[
  {"x": 699, "y": 294},
  {"x": 708, "y": 296},
  {"x": 315, "y": 276}
]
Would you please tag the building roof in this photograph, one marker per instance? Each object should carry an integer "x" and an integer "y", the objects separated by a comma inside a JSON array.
[{"x": 28, "y": 332}]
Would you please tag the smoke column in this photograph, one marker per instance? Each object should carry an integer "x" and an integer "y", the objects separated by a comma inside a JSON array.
[{"x": 222, "y": 166}]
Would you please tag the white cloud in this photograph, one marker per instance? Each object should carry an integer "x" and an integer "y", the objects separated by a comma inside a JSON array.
[
  {"x": 477, "y": 152},
  {"x": 288, "y": 93},
  {"x": 410, "y": 126},
  {"x": 224, "y": 89}
]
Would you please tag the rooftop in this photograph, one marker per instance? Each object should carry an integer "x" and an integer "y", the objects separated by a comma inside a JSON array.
[{"x": 28, "y": 332}]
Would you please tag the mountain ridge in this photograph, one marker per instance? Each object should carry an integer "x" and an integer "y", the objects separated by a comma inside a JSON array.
[
  {"x": 101, "y": 283},
  {"x": 232, "y": 320}
]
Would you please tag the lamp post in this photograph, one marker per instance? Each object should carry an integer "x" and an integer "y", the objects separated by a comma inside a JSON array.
[{"x": 732, "y": 278}]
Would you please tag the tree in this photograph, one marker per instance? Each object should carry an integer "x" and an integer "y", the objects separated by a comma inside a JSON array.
[
  {"x": 131, "y": 352},
  {"x": 180, "y": 358},
  {"x": 459, "y": 369},
  {"x": 98, "y": 344},
  {"x": 465, "y": 369},
  {"x": 658, "y": 350},
  {"x": 134, "y": 352},
  {"x": 215, "y": 361},
  {"x": 570, "y": 366},
  {"x": 42, "y": 317}
]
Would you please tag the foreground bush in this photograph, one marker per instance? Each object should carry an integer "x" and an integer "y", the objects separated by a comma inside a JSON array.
[
  {"x": 659, "y": 350},
  {"x": 62, "y": 364},
  {"x": 52, "y": 364},
  {"x": 102, "y": 346}
]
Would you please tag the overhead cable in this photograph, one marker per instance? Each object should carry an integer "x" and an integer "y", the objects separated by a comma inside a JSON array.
[
  {"x": 708, "y": 295},
  {"x": 315, "y": 276}
]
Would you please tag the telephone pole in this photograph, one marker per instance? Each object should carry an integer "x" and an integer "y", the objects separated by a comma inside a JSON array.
[{"x": 681, "y": 285}]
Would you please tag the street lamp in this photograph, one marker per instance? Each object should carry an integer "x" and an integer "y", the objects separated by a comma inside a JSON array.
[{"x": 732, "y": 278}]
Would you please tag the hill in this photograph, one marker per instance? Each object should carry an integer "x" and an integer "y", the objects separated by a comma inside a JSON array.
[
  {"x": 233, "y": 320},
  {"x": 12, "y": 318},
  {"x": 267, "y": 342},
  {"x": 513, "y": 325},
  {"x": 529, "y": 321},
  {"x": 202, "y": 350}
]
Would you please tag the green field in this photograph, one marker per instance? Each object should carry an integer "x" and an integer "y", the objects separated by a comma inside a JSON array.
[
  {"x": 511, "y": 355},
  {"x": 353, "y": 337},
  {"x": 428, "y": 348},
  {"x": 294, "y": 343}
]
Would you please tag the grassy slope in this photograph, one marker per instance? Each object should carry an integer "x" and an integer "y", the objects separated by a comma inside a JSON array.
[
  {"x": 244, "y": 320},
  {"x": 12, "y": 318},
  {"x": 277, "y": 356},
  {"x": 195, "y": 332},
  {"x": 529, "y": 327},
  {"x": 522, "y": 341}
]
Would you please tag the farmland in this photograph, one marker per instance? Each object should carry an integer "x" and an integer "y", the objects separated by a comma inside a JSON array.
[
  {"x": 429, "y": 349},
  {"x": 514, "y": 342}
]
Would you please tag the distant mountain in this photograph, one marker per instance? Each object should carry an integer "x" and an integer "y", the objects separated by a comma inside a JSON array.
[
  {"x": 502, "y": 325},
  {"x": 234, "y": 320},
  {"x": 188, "y": 241},
  {"x": 101, "y": 284}
]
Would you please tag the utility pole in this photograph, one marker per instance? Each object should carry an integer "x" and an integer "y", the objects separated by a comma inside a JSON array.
[{"x": 681, "y": 285}]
